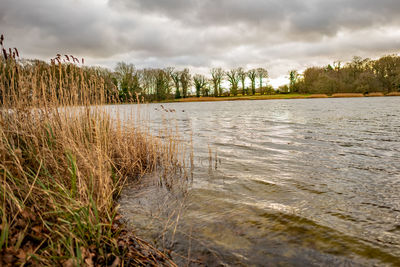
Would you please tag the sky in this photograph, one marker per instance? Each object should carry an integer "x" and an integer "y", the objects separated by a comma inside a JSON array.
[{"x": 278, "y": 35}]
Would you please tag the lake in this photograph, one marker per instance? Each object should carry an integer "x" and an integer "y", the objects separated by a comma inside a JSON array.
[{"x": 304, "y": 182}]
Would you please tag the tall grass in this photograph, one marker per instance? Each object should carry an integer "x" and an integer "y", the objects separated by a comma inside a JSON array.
[{"x": 63, "y": 163}]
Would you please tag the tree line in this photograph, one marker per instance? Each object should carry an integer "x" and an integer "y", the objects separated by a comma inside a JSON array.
[
  {"x": 167, "y": 83},
  {"x": 357, "y": 76}
]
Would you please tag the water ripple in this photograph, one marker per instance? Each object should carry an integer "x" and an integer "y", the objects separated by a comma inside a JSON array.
[{"x": 301, "y": 182}]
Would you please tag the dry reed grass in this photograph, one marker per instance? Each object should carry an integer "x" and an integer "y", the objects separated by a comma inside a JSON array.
[{"x": 63, "y": 163}]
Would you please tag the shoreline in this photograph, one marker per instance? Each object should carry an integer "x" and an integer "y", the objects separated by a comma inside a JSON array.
[{"x": 275, "y": 97}]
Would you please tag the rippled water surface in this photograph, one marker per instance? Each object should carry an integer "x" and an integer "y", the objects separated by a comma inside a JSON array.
[{"x": 297, "y": 182}]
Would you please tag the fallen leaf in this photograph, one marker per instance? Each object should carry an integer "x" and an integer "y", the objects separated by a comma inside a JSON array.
[
  {"x": 21, "y": 222},
  {"x": 83, "y": 251},
  {"x": 8, "y": 258},
  {"x": 38, "y": 229},
  {"x": 21, "y": 254},
  {"x": 25, "y": 214},
  {"x": 89, "y": 262},
  {"x": 116, "y": 262},
  {"x": 69, "y": 263}
]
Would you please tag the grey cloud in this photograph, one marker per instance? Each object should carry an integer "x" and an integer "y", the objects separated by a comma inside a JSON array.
[
  {"x": 208, "y": 12},
  {"x": 49, "y": 26},
  {"x": 276, "y": 34},
  {"x": 301, "y": 17}
]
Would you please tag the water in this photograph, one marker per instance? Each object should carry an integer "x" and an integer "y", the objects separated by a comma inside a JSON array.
[{"x": 297, "y": 182}]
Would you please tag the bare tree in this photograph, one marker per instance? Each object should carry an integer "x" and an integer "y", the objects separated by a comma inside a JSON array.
[
  {"x": 293, "y": 77},
  {"x": 262, "y": 73},
  {"x": 162, "y": 83},
  {"x": 128, "y": 82},
  {"x": 199, "y": 83},
  {"x": 242, "y": 76},
  {"x": 233, "y": 79},
  {"x": 185, "y": 79},
  {"x": 252, "y": 74},
  {"x": 217, "y": 74},
  {"x": 147, "y": 80},
  {"x": 175, "y": 75},
  {"x": 206, "y": 88},
  {"x": 168, "y": 72}
]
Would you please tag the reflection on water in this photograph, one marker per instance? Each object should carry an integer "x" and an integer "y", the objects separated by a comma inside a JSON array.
[{"x": 299, "y": 182}]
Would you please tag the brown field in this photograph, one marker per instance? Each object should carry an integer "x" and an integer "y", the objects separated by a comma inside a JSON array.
[
  {"x": 347, "y": 95},
  {"x": 279, "y": 96},
  {"x": 209, "y": 98},
  {"x": 241, "y": 97},
  {"x": 318, "y": 96},
  {"x": 375, "y": 94},
  {"x": 393, "y": 94}
]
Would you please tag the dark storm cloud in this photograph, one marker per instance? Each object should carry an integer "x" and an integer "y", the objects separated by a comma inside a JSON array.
[{"x": 276, "y": 34}]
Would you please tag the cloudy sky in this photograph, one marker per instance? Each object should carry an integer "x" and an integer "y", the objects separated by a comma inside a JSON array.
[{"x": 275, "y": 34}]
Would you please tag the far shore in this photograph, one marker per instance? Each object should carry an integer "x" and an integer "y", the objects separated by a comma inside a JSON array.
[{"x": 277, "y": 96}]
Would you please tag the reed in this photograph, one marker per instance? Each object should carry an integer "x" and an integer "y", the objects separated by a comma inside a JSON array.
[{"x": 63, "y": 163}]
